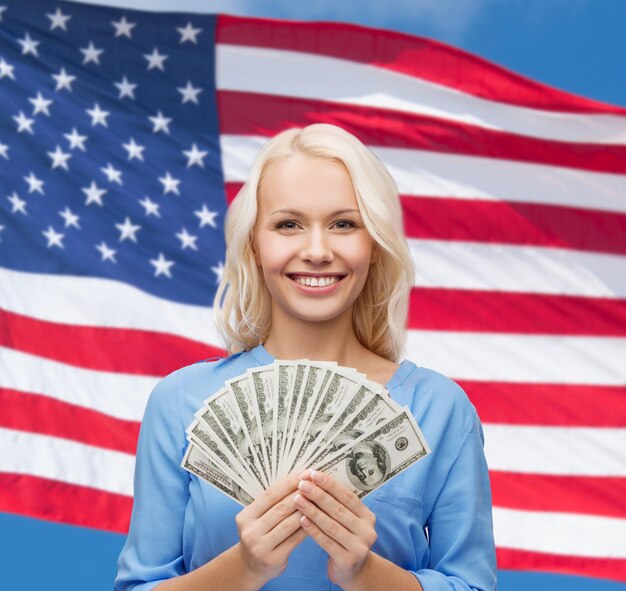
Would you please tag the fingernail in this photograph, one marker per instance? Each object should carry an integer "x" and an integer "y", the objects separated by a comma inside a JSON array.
[
  {"x": 305, "y": 486},
  {"x": 318, "y": 476},
  {"x": 305, "y": 521},
  {"x": 300, "y": 501},
  {"x": 305, "y": 474}
]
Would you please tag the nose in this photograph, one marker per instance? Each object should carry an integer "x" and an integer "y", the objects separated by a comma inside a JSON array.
[{"x": 316, "y": 247}]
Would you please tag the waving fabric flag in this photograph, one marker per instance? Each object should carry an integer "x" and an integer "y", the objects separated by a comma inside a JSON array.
[{"x": 125, "y": 134}]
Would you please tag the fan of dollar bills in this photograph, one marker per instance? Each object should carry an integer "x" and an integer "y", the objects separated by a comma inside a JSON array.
[{"x": 289, "y": 415}]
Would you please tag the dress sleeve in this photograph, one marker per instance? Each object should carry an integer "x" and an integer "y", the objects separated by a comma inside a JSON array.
[
  {"x": 153, "y": 549},
  {"x": 460, "y": 527}
]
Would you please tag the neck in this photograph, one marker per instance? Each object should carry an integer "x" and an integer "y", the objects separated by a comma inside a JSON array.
[{"x": 333, "y": 340}]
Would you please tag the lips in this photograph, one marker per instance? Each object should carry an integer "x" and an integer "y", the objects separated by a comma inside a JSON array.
[{"x": 297, "y": 276}]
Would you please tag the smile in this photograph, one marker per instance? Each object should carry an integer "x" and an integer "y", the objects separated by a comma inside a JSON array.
[{"x": 316, "y": 283}]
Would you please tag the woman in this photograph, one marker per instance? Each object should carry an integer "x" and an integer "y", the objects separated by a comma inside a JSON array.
[{"x": 318, "y": 208}]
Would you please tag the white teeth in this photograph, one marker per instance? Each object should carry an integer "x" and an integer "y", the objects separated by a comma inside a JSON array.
[{"x": 315, "y": 282}]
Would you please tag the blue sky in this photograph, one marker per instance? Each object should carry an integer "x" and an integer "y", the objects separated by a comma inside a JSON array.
[{"x": 575, "y": 45}]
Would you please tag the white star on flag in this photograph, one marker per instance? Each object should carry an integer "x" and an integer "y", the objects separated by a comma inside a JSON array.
[
  {"x": 160, "y": 122},
  {"x": 206, "y": 216},
  {"x": 94, "y": 194},
  {"x": 40, "y": 104},
  {"x": 59, "y": 158},
  {"x": 170, "y": 184},
  {"x": 155, "y": 59},
  {"x": 161, "y": 266},
  {"x": 2, "y": 9},
  {"x": 70, "y": 218},
  {"x": 64, "y": 80},
  {"x": 128, "y": 230},
  {"x": 126, "y": 88},
  {"x": 23, "y": 123},
  {"x": 91, "y": 54},
  {"x": 76, "y": 140},
  {"x": 29, "y": 45},
  {"x": 219, "y": 271},
  {"x": 98, "y": 116},
  {"x": 17, "y": 203},
  {"x": 195, "y": 156},
  {"x": 54, "y": 238},
  {"x": 35, "y": 185},
  {"x": 123, "y": 27},
  {"x": 134, "y": 150},
  {"x": 190, "y": 94},
  {"x": 58, "y": 20},
  {"x": 187, "y": 240},
  {"x": 188, "y": 33},
  {"x": 6, "y": 69},
  {"x": 4, "y": 148},
  {"x": 108, "y": 254},
  {"x": 113, "y": 174},
  {"x": 150, "y": 206}
]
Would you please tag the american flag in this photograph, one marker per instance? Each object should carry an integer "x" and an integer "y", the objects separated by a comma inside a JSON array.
[{"x": 125, "y": 134}]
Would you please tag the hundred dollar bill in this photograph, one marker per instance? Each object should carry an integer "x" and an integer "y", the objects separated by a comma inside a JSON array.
[
  {"x": 224, "y": 408},
  {"x": 379, "y": 455},
  {"x": 375, "y": 410},
  {"x": 302, "y": 400},
  {"x": 198, "y": 463},
  {"x": 242, "y": 392},
  {"x": 339, "y": 390},
  {"x": 324, "y": 432},
  {"x": 204, "y": 436},
  {"x": 263, "y": 393}
]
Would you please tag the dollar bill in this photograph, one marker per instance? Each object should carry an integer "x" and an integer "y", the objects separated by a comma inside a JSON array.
[
  {"x": 204, "y": 437},
  {"x": 198, "y": 463},
  {"x": 242, "y": 392},
  {"x": 373, "y": 411},
  {"x": 224, "y": 408},
  {"x": 261, "y": 380},
  {"x": 377, "y": 456}
]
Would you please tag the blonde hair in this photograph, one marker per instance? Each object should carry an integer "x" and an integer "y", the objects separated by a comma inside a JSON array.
[{"x": 242, "y": 304}]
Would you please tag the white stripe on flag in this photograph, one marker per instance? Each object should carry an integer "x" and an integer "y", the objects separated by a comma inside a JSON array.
[
  {"x": 521, "y": 358},
  {"x": 123, "y": 396},
  {"x": 567, "y": 451},
  {"x": 66, "y": 461},
  {"x": 419, "y": 172},
  {"x": 279, "y": 72},
  {"x": 565, "y": 534}
]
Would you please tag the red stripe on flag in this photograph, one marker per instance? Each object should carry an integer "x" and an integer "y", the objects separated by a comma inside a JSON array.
[
  {"x": 35, "y": 413},
  {"x": 564, "y": 494},
  {"x": 502, "y": 222},
  {"x": 555, "y": 405},
  {"x": 128, "y": 351},
  {"x": 376, "y": 126},
  {"x": 42, "y": 498},
  {"x": 408, "y": 54},
  {"x": 432, "y": 308},
  {"x": 606, "y": 568},
  {"x": 524, "y": 224}
]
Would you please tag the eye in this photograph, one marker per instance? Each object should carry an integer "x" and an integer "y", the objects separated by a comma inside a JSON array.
[
  {"x": 286, "y": 225},
  {"x": 348, "y": 225}
]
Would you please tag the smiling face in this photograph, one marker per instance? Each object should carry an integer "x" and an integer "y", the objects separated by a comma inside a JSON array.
[{"x": 309, "y": 230}]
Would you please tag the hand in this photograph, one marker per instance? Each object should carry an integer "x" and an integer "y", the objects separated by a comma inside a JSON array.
[
  {"x": 269, "y": 530},
  {"x": 338, "y": 521}
]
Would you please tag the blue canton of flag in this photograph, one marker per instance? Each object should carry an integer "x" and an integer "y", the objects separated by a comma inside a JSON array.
[{"x": 109, "y": 148}]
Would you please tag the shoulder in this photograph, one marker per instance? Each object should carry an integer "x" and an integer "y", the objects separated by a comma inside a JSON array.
[
  {"x": 183, "y": 391},
  {"x": 430, "y": 393}
]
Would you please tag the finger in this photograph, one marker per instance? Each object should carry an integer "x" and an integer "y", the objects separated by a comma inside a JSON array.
[
  {"x": 331, "y": 528},
  {"x": 332, "y": 507},
  {"x": 270, "y": 496},
  {"x": 281, "y": 531},
  {"x": 284, "y": 508},
  {"x": 335, "y": 550},
  {"x": 343, "y": 494},
  {"x": 286, "y": 547}
]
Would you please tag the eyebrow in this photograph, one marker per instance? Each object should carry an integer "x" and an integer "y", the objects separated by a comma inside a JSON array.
[{"x": 300, "y": 213}]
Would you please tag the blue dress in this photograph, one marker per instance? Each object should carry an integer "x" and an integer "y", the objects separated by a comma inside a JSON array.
[{"x": 433, "y": 520}]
